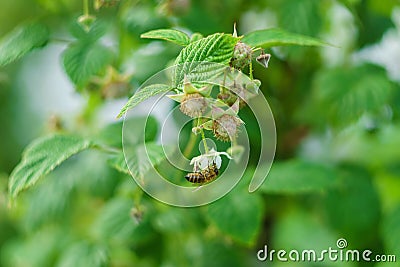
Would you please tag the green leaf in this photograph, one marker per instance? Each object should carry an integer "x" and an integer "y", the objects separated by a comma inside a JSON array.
[
  {"x": 345, "y": 94},
  {"x": 52, "y": 197},
  {"x": 301, "y": 229},
  {"x": 84, "y": 254},
  {"x": 170, "y": 35},
  {"x": 96, "y": 30},
  {"x": 140, "y": 159},
  {"x": 111, "y": 135},
  {"x": 176, "y": 221},
  {"x": 25, "y": 251},
  {"x": 297, "y": 176},
  {"x": 118, "y": 162},
  {"x": 391, "y": 232},
  {"x": 354, "y": 207},
  {"x": 277, "y": 37},
  {"x": 41, "y": 157},
  {"x": 143, "y": 94},
  {"x": 115, "y": 221},
  {"x": 218, "y": 253},
  {"x": 238, "y": 214},
  {"x": 217, "y": 48},
  {"x": 83, "y": 60},
  {"x": 22, "y": 40},
  {"x": 303, "y": 16},
  {"x": 195, "y": 37}
]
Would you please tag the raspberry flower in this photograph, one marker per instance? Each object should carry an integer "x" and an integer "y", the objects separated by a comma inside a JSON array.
[{"x": 203, "y": 161}]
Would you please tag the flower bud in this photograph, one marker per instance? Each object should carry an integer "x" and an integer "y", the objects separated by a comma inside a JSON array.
[
  {"x": 193, "y": 105},
  {"x": 241, "y": 55},
  {"x": 225, "y": 127}
]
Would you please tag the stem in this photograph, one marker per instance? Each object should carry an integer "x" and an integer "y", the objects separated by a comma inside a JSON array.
[
  {"x": 189, "y": 148},
  {"x": 137, "y": 197},
  {"x": 251, "y": 70},
  {"x": 108, "y": 149},
  {"x": 203, "y": 138},
  {"x": 225, "y": 73},
  {"x": 204, "y": 141},
  {"x": 190, "y": 145},
  {"x": 86, "y": 7}
]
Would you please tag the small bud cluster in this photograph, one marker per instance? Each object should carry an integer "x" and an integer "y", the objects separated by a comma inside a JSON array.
[
  {"x": 112, "y": 84},
  {"x": 241, "y": 55},
  {"x": 225, "y": 128}
]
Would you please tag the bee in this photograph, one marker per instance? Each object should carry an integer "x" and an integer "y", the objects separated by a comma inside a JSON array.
[{"x": 204, "y": 176}]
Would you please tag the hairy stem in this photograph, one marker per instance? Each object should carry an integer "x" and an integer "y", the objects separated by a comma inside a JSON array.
[
  {"x": 190, "y": 145},
  {"x": 203, "y": 138},
  {"x": 86, "y": 7},
  {"x": 251, "y": 70}
]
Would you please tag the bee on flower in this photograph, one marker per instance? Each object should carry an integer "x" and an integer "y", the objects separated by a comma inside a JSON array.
[{"x": 206, "y": 167}]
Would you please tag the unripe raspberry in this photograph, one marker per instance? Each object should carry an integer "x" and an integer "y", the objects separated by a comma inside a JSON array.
[
  {"x": 241, "y": 55},
  {"x": 225, "y": 127},
  {"x": 193, "y": 105}
]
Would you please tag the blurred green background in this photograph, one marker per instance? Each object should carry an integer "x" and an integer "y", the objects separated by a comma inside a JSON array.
[{"x": 337, "y": 167}]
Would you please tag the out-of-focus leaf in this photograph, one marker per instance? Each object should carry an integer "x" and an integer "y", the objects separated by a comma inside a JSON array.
[
  {"x": 217, "y": 48},
  {"x": 195, "y": 37},
  {"x": 49, "y": 201},
  {"x": 170, "y": 222},
  {"x": 217, "y": 254},
  {"x": 115, "y": 221},
  {"x": 118, "y": 162},
  {"x": 238, "y": 215},
  {"x": 143, "y": 94},
  {"x": 141, "y": 18},
  {"x": 95, "y": 32},
  {"x": 354, "y": 208},
  {"x": 277, "y": 37},
  {"x": 140, "y": 159},
  {"x": 41, "y": 157},
  {"x": 377, "y": 19},
  {"x": 170, "y": 35},
  {"x": 302, "y": 16},
  {"x": 300, "y": 230},
  {"x": 37, "y": 250},
  {"x": 84, "y": 60},
  {"x": 111, "y": 135},
  {"x": 84, "y": 254},
  {"x": 391, "y": 232},
  {"x": 95, "y": 175},
  {"x": 22, "y": 40},
  {"x": 174, "y": 221},
  {"x": 355, "y": 144},
  {"x": 298, "y": 176},
  {"x": 344, "y": 94}
]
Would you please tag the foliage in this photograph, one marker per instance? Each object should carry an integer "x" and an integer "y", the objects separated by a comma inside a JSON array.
[
  {"x": 277, "y": 37},
  {"x": 21, "y": 41},
  {"x": 144, "y": 94},
  {"x": 336, "y": 172},
  {"x": 42, "y": 157},
  {"x": 174, "y": 36}
]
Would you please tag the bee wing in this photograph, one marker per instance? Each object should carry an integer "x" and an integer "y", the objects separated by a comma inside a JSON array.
[{"x": 197, "y": 188}]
